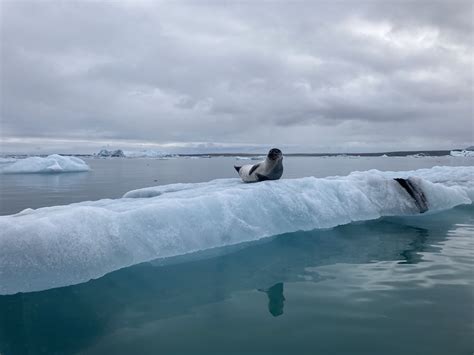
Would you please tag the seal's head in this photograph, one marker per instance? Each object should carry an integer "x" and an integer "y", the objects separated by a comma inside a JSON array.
[{"x": 275, "y": 154}]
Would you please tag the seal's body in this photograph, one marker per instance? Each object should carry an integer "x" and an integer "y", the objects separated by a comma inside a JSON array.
[
  {"x": 269, "y": 169},
  {"x": 411, "y": 186}
]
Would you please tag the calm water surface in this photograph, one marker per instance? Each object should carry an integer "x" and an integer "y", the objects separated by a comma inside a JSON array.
[
  {"x": 391, "y": 286},
  {"x": 399, "y": 285}
]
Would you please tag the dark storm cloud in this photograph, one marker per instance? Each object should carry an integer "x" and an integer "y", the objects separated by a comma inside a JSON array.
[{"x": 371, "y": 75}]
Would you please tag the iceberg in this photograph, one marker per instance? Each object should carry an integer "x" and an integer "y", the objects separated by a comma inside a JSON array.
[
  {"x": 462, "y": 153},
  {"x": 51, "y": 164},
  {"x": 63, "y": 245},
  {"x": 7, "y": 160},
  {"x": 242, "y": 158},
  {"x": 104, "y": 153},
  {"x": 146, "y": 153},
  {"x": 260, "y": 157},
  {"x": 417, "y": 155}
]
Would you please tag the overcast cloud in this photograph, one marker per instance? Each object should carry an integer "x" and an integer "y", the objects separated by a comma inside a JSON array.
[{"x": 308, "y": 76}]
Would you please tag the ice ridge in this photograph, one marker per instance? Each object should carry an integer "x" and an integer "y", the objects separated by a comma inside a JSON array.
[{"x": 62, "y": 245}]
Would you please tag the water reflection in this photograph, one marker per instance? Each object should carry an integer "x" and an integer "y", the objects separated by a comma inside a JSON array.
[
  {"x": 276, "y": 299},
  {"x": 412, "y": 255},
  {"x": 71, "y": 319}
]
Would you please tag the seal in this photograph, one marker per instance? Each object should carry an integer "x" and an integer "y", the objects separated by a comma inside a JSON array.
[
  {"x": 269, "y": 169},
  {"x": 411, "y": 186}
]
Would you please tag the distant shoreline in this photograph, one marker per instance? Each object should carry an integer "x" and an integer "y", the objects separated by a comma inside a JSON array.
[
  {"x": 434, "y": 153},
  {"x": 429, "y": 153}
]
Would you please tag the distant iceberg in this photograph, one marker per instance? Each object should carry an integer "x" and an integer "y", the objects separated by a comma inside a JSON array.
[
  {"x": 145, "y": 153},
  {"x": 148, "y": 153},
  {"x": 51, "y": 164},
  {"x": 462, "y": 153},
  {"x": 7, "y": 160},
  {"x": 104, "y": 153},
  {"x": 242, "y": 158},
  {"x": 260, "y": 157},
  {"x": 62, "y": 245},
  {"x": 418, "y": 155}
]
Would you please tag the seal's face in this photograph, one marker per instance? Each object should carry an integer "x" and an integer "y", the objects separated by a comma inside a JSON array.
[{"x": 275, "y": 154}]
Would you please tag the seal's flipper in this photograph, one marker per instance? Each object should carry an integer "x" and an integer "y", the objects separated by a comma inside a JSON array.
[
  {"x": 253, "y": 168},
  {"x": 415, "y": 192},
  {"x": 261, "y": 177},
  {"x": 237, "y": 168}
]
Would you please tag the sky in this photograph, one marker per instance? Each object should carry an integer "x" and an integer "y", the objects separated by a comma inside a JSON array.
[{"x": 211, "y": 76}]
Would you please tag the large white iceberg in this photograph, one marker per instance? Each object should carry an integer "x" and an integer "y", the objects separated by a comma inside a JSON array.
[
  {"x": 63, "y": 245},
  {"x": 51, "y": 164}
]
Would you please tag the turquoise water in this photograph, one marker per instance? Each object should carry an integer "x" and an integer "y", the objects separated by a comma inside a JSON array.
[{"x": 390, "y": 286}]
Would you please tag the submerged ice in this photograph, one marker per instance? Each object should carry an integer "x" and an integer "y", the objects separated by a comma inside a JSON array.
[
  {"x": 51, "y": 164},
  {"x": 63, "y": 245}
]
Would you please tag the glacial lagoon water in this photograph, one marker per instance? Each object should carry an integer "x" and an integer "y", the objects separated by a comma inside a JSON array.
[{"x": 395, "y": 285}]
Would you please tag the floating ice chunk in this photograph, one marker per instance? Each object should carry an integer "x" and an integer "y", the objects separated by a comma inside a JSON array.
[
  {"x": 242, "y": 158},
  {"x": 145, "y": 153},
  {"x": 104, "y": 153},
  {"x": 260, "y": 157},
  {"x": 7, "y": 160},
  {"x": 63, "y": 245},
  {"x": 51, "y": 164},
  {"x": 148, "y": 153},
  {"x": 417, "y": 155},
  {"x": 462, "y": 153}
]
